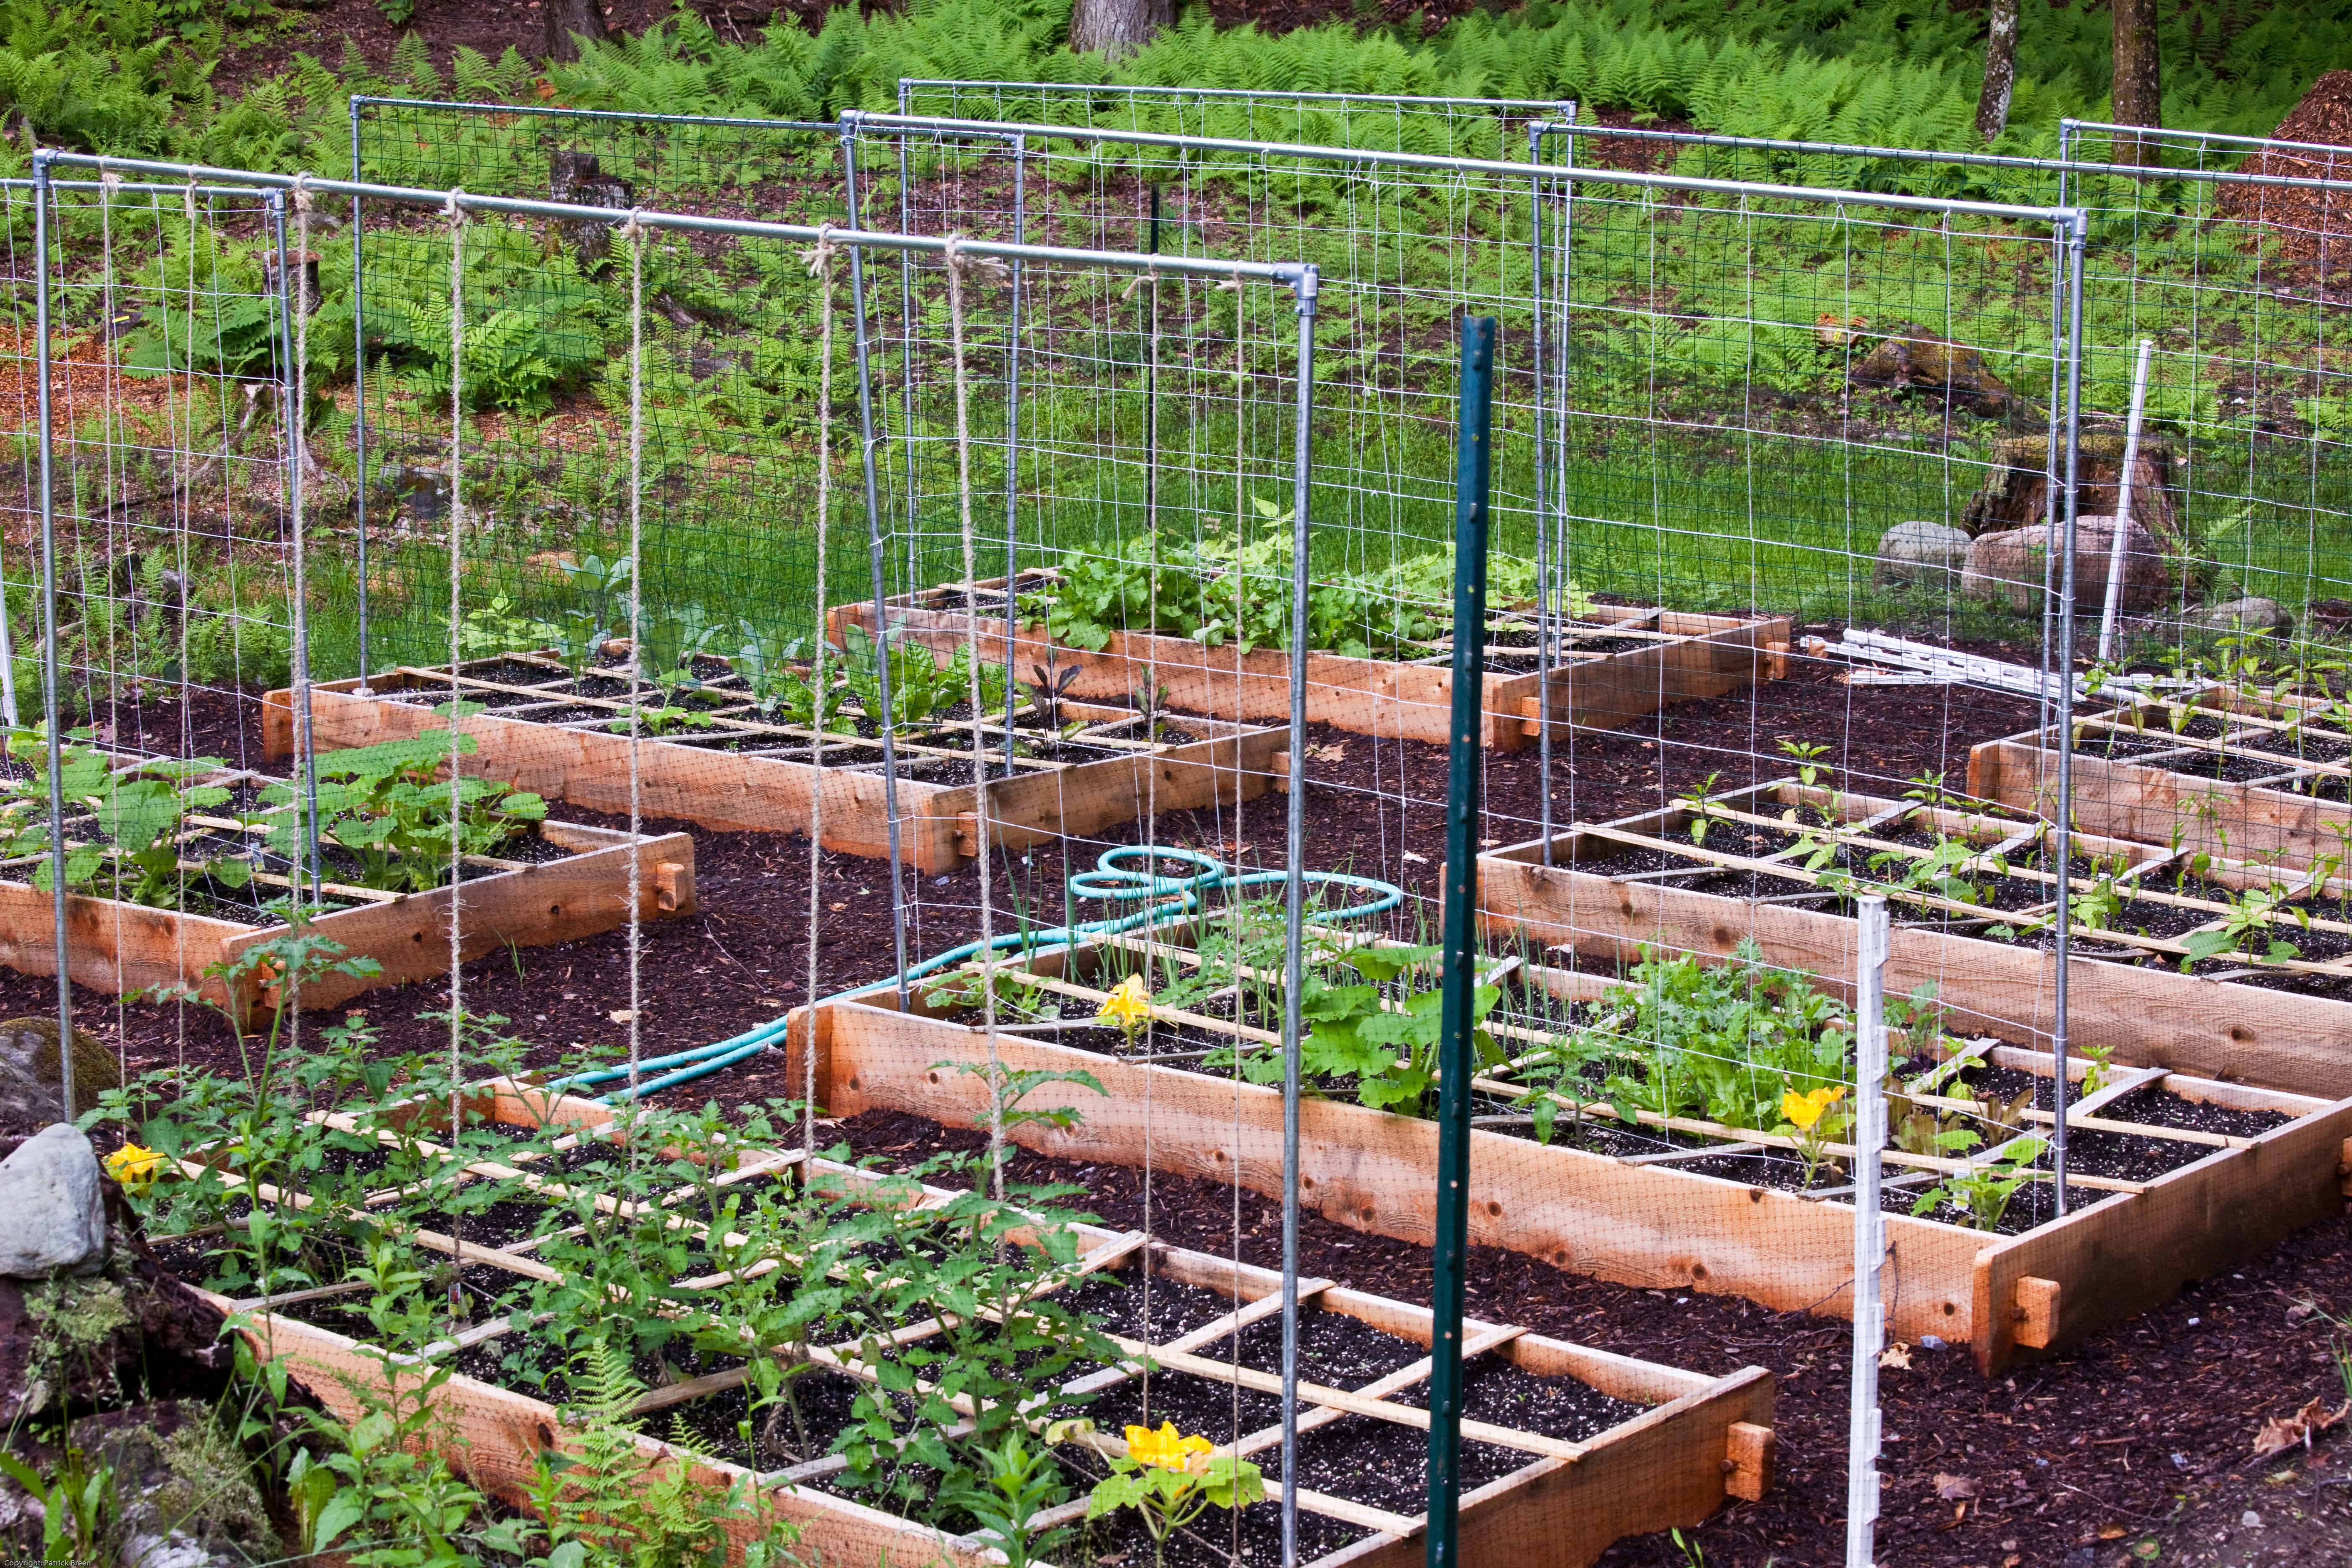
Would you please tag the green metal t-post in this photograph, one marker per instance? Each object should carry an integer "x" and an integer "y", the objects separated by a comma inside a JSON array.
[{"x": 1472, "y": 465}]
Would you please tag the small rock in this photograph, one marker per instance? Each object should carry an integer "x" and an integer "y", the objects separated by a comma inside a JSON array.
[
  {"x": 2251, "y": 614},
  {"x": 52, "y": 1206},
  {"x": 1931, "y": 1342},
  {"x": 1933, "y": 553},
  {"x": 2011, "y": 566},
  {"x": 2251, "y": 1519},
  {"x": 30, "y": 1093}
]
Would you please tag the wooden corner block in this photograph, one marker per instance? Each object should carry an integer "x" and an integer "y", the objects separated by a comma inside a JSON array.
[
  {"x": 673, "y": 886},
  {"x": 1750, "y": 1456},
  {"x": 2344, "y": 1166},
  {"x": 2036, "y": 1313}
]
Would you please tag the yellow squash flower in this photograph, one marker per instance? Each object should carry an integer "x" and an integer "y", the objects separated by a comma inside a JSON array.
[
  {"x": 135, "y": 1167},
  {"x": 1128, "y": 1006},
  {"x": 1804, "y": 1110},
  {"x": 1164, "y": 1449}
]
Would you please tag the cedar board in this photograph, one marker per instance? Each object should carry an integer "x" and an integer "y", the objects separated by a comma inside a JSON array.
[
  {"x": 734, "y": 792},
  {"x": 120, "y": 948},
  {"x": 1669, "y": 1466},
  {"x": 1385, "y": 698},
  {"x": 2132, "y": 800},
  {"x": 1646, "y": 1226}
]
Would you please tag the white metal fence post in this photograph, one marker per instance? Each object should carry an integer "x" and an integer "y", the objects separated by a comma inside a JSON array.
[{"x": 1869, "y": 1229}]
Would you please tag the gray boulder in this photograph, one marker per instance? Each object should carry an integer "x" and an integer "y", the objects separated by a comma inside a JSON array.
[
  {"x": 30, "y": 1094},
  {"x": 2009, "y": 565},
  {"x": 2251, "y": 614},
  {"x": 1931, "y": 553},
  {"x": 52, "y": 1207}
]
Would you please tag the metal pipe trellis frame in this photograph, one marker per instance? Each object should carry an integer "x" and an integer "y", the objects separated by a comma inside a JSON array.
[
  {"x": 1289, "y": 275},
  {"x": 1503, "y": 168}
]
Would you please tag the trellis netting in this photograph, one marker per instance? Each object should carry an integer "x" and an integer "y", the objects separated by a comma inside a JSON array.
[{"x": 1122, "y": 740}]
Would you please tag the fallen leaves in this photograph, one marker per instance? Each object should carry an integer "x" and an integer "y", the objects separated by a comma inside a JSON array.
[
  {"x": 1958, "y": 1490},
  {"x": 2281, "y": 1433},
  {"x": 1896, "y": 1357}
]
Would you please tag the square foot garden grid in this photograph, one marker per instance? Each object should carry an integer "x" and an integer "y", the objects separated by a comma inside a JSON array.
[
  {"x": 555, "y": 882},
  {"x": 1662, "y": 1202},
  {"x": 727, "y": 765},
  {"x": 1612, "y": 664},
  {"x": 1972, "y": 897},
  {"x": 2222, "y": 770},
  {"x": 1639, "y": 1446}
]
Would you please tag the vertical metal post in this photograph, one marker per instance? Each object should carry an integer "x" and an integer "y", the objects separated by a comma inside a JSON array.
[
  {"x": 1472, "y": 468},
  {"x": 1541, "y": 368},
  {"x": 1869, "y": 1228},
  {"x": 2062, "y": 832},
  {"x": 290, "y": 298},
  {"x": 359, "y": 399},
  {"x": 2117, "y": 552},
  {"x": 55, "y": 738},
  {"x": 1012, "y": 444},
  {"x": 866, "y": 442},
  {"x": 1294, "y": 903}
]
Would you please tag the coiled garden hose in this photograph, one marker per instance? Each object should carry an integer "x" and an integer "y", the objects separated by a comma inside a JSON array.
[{"x": 1110, "y": 881}]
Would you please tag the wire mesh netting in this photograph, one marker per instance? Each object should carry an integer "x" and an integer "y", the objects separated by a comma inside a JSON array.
[{"x": 997, "y": 693}]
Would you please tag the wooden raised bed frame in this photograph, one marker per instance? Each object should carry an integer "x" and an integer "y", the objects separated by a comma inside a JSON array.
[
  {"x": 119, "y": 947},
  {"x": 2148, "y": 1017},
  {"x": 2133, "y": 797},
  {"x": 1689, "y": 655},
  {"x": 1701, "y": 1439},
  {"x": 1646, "y": 1225},
  {"x": 739, "y": 793}
]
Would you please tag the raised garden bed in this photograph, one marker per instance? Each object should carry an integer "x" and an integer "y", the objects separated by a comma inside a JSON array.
[
  {"x": 211, "y": 877},
  {"x": 1615, "y": 663},
  {"x": 1572, "y": 1447},
  {"x": 725, "y": 763},
  {"x": 1778, "y": 865},
  {"x": 2221, "y": 771},
  {"x": 2200, "y": 1173}
]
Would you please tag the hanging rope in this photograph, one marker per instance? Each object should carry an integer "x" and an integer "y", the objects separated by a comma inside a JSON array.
[
  {"x": 634, "y": 231},
  {"x": 820, "y": 258},
  {"x": 455, "y": 213},
  {"x": 957, "y": 262}
]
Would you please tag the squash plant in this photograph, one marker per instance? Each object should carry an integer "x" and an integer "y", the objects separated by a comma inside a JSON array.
[
  {"x": 388, "y": 806},
  {"x": 138, "y": 811}
]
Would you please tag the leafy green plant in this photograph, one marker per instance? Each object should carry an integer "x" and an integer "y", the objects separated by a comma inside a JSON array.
[
  {"x": 138, "y": 810},
  {"x": 386, "y": 806},
  {"x": 1808, "y": 758},
  {"x": 1014, "y": 1482},
  {"x": 2249, "y": 922},
  {"x": 1171, "y": 1480},
  {"x": 78, "y": 1506},
  {"x": 1983, "y": 1193}
]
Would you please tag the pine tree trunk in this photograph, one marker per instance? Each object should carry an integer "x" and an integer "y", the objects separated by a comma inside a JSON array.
[
  {"x": 2000, "y": 71},
  {"x": 568, "y": 21},
  {"x": 2138, "y": 96},
  {"x": 1116, "y": 28}
]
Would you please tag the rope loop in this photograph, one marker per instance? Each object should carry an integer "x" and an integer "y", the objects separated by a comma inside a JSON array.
[
  {"x": 634, "y": 230},
  {"x": 453, "y": 205},
  {"x": 303, "y": 199},
  {"x": 1149, "y": 275},
  {"x": 819, "y": 256},
  {"x": 961, "y": 265}
]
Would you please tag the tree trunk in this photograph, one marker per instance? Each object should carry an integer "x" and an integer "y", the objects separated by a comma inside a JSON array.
[
  {"x": 2138, "y": 97},
  {"x": 1116, "y": 28},
  {"x": 568, "y": 21},
  {"x": 2000, "y": 71}
]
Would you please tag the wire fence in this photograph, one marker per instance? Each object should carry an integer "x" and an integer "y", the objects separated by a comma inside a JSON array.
[{"x": 1148, "y": 565}]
